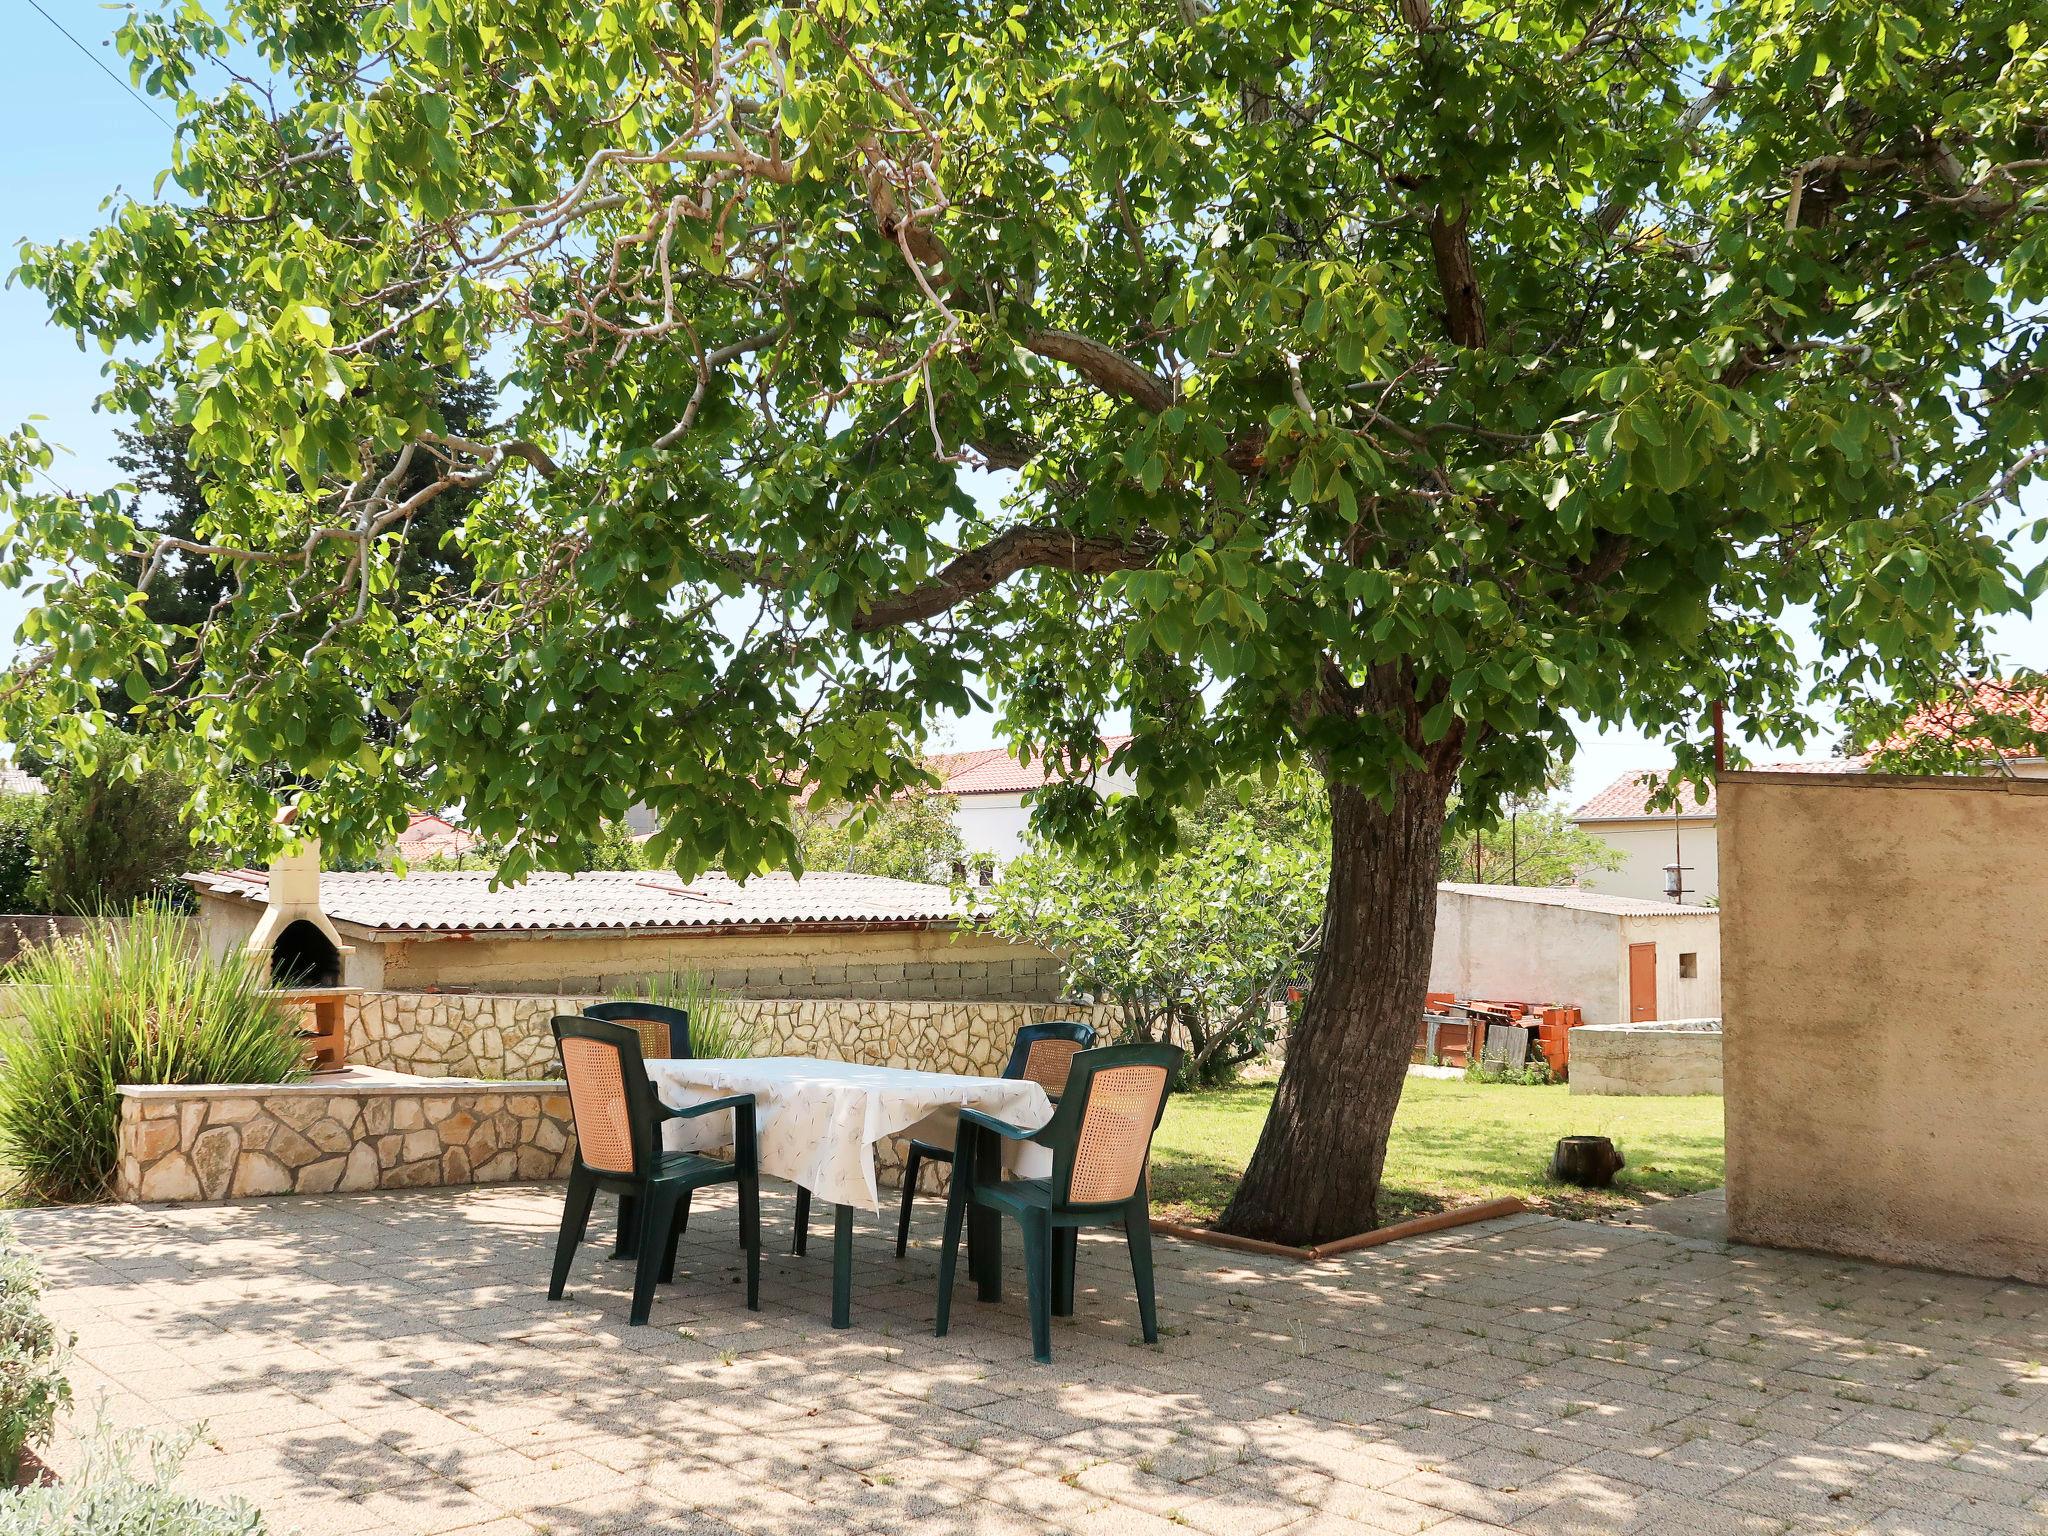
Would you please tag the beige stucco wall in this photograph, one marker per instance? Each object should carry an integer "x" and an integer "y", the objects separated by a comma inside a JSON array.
[
  {"x": 1490, "y": 946},
  {"x": 1886, "y": 946},
  {"x": 1646, "y": 847}
]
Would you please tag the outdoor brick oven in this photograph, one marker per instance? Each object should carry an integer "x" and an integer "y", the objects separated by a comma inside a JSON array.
[{"x": 303, "y": 952}]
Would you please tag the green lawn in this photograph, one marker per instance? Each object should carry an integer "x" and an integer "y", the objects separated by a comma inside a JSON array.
[{"x": 1455, "y": 1141}]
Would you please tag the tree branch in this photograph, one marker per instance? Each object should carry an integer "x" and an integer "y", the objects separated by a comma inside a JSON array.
[
  {"x": 1107, "y": 369},
  {"x": 1034, "y": 547}
]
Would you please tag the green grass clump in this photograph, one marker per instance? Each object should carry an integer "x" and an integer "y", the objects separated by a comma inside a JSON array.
[
  {"x": 716, "y": 1029},
  {"x": 1455, "y": 1141},
  {"x": 133, "y": 1000}
]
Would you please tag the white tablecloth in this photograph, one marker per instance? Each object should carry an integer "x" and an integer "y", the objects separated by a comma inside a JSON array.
[{"x": 818, "y": 1121}]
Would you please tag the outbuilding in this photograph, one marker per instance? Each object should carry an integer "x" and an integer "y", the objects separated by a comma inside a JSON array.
[
  {"x": 774, "y": 936},
  {"x": 1618, "y": 959}
]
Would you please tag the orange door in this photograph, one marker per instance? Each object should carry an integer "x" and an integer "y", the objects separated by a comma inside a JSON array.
[{"x": 1642, "y": 982}]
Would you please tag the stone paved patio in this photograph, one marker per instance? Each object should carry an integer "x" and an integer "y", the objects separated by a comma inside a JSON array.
[{"x": 388, "y": 1363}]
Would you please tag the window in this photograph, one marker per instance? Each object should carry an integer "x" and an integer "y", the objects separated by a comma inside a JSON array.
[{"x": 1688, "y": 964}]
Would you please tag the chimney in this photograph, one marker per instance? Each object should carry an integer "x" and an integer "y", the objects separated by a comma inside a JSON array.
[{"x": 294, "y": 938}]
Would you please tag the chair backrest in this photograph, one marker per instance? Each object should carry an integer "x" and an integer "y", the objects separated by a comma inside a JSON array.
[
  {"x": 609, "y": 1095},
  {"x": 1044, "y": 1053},
  {"x": 1101, "y": 1135},
  {"x": 664, "y": 1031}
]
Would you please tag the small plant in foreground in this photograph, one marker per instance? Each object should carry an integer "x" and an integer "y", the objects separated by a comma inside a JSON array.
[
  {"x": 133, "y": 1000},
  {"x": 32, "y": 1354},
  {"x": 110, "y": 1495}
]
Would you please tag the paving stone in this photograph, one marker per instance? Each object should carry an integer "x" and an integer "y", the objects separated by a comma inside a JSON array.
[{"x": 386, "y": 1364}]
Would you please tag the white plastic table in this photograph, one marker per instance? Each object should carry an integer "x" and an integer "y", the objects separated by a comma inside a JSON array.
[{"x": 817, "y": 1124}]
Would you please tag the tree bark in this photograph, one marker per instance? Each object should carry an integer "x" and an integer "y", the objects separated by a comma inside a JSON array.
[{"x": 1315, "y": 1175}]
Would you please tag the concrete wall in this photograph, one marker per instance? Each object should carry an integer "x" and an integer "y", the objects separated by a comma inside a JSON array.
[
  {"x": 1679, "y": 1056},
  {"x": 1646, "y": 847},
  {"x": 1887, "y": 943},
  {"x": 1497, "y": 947}
]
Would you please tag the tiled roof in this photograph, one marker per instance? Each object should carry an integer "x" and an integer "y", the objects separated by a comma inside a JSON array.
[
  {"x": 1628, "y": 797},
  {"x": 1959, "y": 717},
  {"x": 434, "y": 902},
  {"x": 428, "y": 837},
  {"x": 992, "y": 771},
  {"x": 14, "y": 782},
  {"x": 1581, "y": 900}
]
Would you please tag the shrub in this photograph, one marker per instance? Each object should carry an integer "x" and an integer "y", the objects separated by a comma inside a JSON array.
[
  {"x": 1202, "y": 949},
  {"x": 112, "y": 1496},
  {"x": 32, "y": 1384},
  {"x": 105, "y": 844},
  {"x": 127, "y": 1001},
  {"x": 20, "y": 817},
  {"x": 715, "y": 1028}
]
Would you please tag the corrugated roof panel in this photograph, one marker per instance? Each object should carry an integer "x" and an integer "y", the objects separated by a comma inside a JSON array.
[{"x": 463, "y": 901}]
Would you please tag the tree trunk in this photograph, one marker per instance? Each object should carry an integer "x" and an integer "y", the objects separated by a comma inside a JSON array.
[{"x": 1315, "y": 1175}]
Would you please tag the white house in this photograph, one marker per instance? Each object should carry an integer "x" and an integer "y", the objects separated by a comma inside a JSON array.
[
  {"x": 989, "y": 789},
  {"x": 1616, "y": 958}
]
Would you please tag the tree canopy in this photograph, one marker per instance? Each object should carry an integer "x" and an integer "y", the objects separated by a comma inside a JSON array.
[{"x": 1500, "y": 361}]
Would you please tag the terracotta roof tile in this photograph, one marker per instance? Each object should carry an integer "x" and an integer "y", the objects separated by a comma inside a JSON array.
[
  {"x": 992, "y": 771},
  {"x": 1961, "y": 715},
  {"x": 428, "y": 836},
  {"x": 458, "y": 902},
  {"x": 1628, "y": 797}
]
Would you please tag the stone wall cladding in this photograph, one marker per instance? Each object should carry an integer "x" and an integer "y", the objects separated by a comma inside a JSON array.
[
  {"x": 1681, "y": 1057},
  {"x": 505, "y": 1036},
  {"x": 201, "y": 1143}
]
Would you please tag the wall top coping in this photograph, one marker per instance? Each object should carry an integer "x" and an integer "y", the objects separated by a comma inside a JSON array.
[
  {"x": 1654, "y": 1027},
  {"x": 354, "y": 1082},
  {"x": 1994, "y": 783}
]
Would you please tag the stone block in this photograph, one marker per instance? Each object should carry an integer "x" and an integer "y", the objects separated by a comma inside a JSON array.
[
  {"x": 258, "y": 1173},
  {"x": 213, "y": 1159},
  {"x": 171, "y": 1178}
]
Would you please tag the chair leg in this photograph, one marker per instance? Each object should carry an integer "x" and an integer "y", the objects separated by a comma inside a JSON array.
[
  {"x": 657, "y": 1213},
  {"x": 1066, "y": 1243},
  {"x": 750, "y": 1235},
  {"x": 678, "y": 1225},
  {"x": 1038, "y": 1282},
  {"x": 949, "y": 1247},
  {"x": 909, "y": 1194},
  {"x": 1138, "y": 1232},
  {"x": 629, "y": 1229},
  {"x": 575, "y": 1216},
  {"x": 803, "y": 1221}
]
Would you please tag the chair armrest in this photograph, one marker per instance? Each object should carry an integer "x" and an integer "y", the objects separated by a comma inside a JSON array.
[
  {"x": 1002, "y": 1128},
  {"x": 709, "y": 1106}
]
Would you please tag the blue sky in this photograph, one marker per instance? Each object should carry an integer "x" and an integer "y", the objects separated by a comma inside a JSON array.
[{"x": 77, "y": 136}]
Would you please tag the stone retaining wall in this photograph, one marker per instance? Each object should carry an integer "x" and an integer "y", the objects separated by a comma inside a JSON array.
[
  {"x": 505, "y": 1035},
  {"x": 1665, "y": 1057},
  {"x": 356, "y": 1130}
]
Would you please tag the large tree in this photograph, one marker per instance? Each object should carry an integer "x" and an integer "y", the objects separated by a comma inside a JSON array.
[{"x": 1379, "y": 386}]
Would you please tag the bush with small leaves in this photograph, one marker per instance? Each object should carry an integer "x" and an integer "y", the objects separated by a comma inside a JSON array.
[
  {"x": 32, "y": 1355},
  {"x": 123, "y": 1488}
]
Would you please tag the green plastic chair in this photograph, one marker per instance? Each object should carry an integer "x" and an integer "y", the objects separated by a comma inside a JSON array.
[
  {"x": 664, "y": 1036},
  {"x": 1042, "y": 1054},
  {"x": 1101, "y": 1143},
  {"x": 618, "y": 1149}
]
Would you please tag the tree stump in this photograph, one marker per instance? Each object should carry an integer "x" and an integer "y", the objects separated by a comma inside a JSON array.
[{"x": 1591, "y": 1162}]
